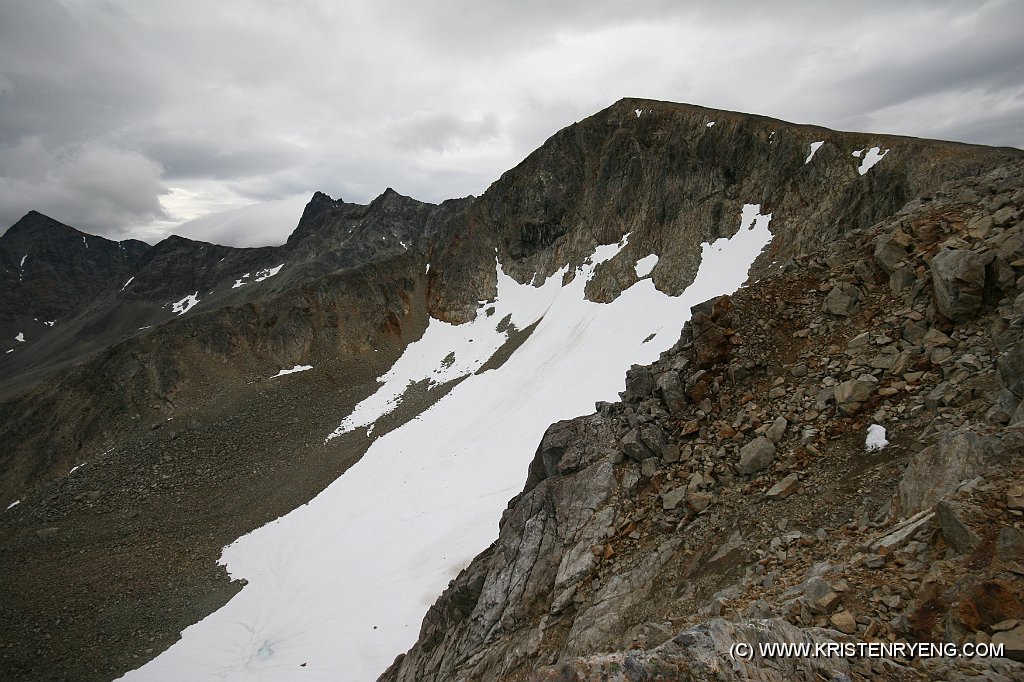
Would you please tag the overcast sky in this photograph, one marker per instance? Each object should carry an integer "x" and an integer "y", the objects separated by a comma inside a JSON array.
[{"x": 131, "y": 117}]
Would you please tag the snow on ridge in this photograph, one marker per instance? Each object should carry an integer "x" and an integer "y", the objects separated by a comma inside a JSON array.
[
  {"x": 645, "y": 265},
  {"x": 293, "y": 370},
  {"x": 871, "y": 157},
  {"x": 184, "y": 305},
  {"x": 815, "y": 146},
  {"x": 267, "y": 273},
  {"x": 261, "y": 275},
  {"x": 445, "y": 478}
]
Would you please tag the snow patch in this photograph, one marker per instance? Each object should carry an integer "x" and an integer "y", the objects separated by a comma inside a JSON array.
[
  {"x": 871, "y": 157},
  {"x": 184, "y": 305},
  {"x": 22, "y": 264},
  {"x": 50, "y": 323},
  {"x": 14, "y": 504},
  {"x": 20, "y": 338},
  {"x": 427, "y": 497},
  {"x": 85, "y": 242},
  {"x": 710, "y": 124},
  {"x": 815, "y": 146},
  {"x": 75, "y": 468},
  {"x": 638, "y": 112},
  {"x": 128, "y": 282},
  {"x": 645, "y": 265},
  {"x": 240, "y": 282},
  {"x": 267, "y": 273},
  {"x": 293, "y": 370},
  {"x": 875, "y": 439}
]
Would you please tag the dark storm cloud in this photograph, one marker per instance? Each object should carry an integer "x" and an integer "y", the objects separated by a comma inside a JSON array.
[{"x": 130, "y": 117}]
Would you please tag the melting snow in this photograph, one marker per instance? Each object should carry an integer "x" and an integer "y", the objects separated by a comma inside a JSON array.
[
  {"x": 268, "y": 272},
  {"x": 14, "y": 504},
  {"x": 343, "y": 581},
  {"x": 638, "y": 112},
  {"x": 20, "y": 337},
  {"x": 871, "y": 157},
  {"x": 645, "y": 265},
  {"x": 50, "y": 323},
  {"x": 815, "y": 146},
  {"x": 127, "y": 283},
  {"x": 75, "y": 468},
  {"x": 85, "y": 242},
  {"x": 710, "y": 124},
  {"x": 23, "y": 261},
  {"x": 240, "y": 281},
  {"x": 10, "y": 350},
  {"x": 293, "y": 370},
  {"x": 875, "y": 438},
  {"x": 184, "y": 305}
]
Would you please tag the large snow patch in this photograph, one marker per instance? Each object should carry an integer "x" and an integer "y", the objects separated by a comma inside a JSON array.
[{"x": 338, "y": 587}]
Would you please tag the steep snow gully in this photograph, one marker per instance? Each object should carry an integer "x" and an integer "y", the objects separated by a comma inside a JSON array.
[{"x": 337, "y": 588}]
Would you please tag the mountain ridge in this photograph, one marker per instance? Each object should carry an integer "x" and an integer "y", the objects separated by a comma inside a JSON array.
[{"x": 183, "y": 419}]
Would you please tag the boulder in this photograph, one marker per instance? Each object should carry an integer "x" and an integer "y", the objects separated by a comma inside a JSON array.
[
  {"x": 940, "y": 469},
  {"x": 850, "y": 395},
  {"x": 958, "y": 278},
  {"x": 756, "y": 455},
  {"x": 957, "y": 533},
  {"x": 670, "y": 386},
  {"x": 890, "y": 250},
  {"x": 634, "y": 448},
  {"x": 1011, "y": 370},
  {"x": 842, "y": 300}
]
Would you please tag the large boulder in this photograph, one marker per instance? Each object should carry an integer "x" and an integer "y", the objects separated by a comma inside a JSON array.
[
  {"x": 756, "y": 455},
  {"x": 842, "y": 300},
  {"x": 940, "y": 469},
  {"x": 851, "y": 395},
  {"x": 958, "y": 277}
]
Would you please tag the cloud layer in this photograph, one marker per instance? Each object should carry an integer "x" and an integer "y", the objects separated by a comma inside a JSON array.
[{"x": 130, "y": 118}]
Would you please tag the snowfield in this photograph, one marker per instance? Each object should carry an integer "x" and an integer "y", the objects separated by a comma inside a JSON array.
[{"x": 338, "y": 587}]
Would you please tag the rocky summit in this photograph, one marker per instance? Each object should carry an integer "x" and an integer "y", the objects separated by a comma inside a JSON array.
[{"x": 826, "y": 449}]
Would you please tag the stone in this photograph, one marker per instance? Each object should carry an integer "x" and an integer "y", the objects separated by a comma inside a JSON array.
[
  {"x": 1012, "y": 642},
  {"x": 673, "y": 498},
  {"x": 777, "y": 429},
  {"x": 670, "y": 387},
  {"x": 634, "y": 448},
  {"x": 1010, "y": 544},
  {"x": 1003, "y": 216},
  {"x": 940, "y": 469},
  {"x": 654, "y": 439},
  {"x": 958, "y": 280},
  {"x": 1011, "y": 370},
  {"x": 698, "y": 502},
  {"x": 756, "y": 455},
  {"x": 843, "y": 300},
  {"x": 850, "y": 395},
  {"x": 844, "y": 622},
  {"x": 890, "y": 250},
  {"x": 639, "y": 383},
  {"x": 784, "y": 488},
  {"x": 1015, "y": 497},
  {"x": 901, "y": 279},
  {"x": 828, "y": 603},
  {"x": 957, "y": 533}
]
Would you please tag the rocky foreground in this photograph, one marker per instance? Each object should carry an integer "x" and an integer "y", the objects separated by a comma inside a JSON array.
[{"x": 730, "y": 496}]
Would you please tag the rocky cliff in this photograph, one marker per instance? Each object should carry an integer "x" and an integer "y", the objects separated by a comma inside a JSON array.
[{"x": 737, "y": 493}]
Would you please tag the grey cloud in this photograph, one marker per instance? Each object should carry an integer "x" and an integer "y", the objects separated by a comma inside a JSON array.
[
  {"x": 438, "y": 131},
  {"x": 109, "y": 108}
]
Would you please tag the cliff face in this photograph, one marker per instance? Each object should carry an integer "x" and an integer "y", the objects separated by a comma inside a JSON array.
[
  {"x": 736, "y": 479},
  {"x": 673, "y": 176}
]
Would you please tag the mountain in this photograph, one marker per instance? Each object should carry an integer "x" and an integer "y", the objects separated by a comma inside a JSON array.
[{"x": 349, "y": 414}]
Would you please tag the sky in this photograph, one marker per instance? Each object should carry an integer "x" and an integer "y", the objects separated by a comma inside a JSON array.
[{"x": 217, "y": 121}]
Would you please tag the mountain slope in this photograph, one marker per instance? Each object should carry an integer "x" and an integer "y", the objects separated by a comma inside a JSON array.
[{"x": 562, "y": 275}]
